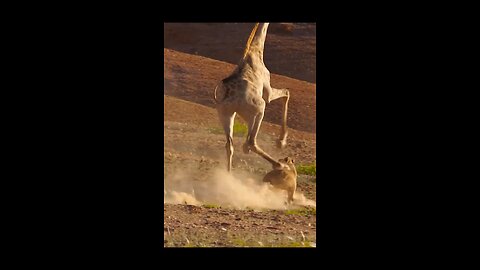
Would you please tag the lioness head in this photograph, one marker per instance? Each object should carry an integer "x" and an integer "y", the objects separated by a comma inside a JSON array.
[{"x": 287, "y": 160}]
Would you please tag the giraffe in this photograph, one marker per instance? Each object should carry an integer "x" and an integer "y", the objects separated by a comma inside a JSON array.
[{"x": 247, "y": 91}]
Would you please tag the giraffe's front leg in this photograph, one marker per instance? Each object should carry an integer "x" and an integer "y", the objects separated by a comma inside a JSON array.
[{"x": 251, "y": 143}]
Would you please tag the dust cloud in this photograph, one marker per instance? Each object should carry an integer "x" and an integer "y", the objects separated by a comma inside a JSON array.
[{"x": 238, "y": 190}]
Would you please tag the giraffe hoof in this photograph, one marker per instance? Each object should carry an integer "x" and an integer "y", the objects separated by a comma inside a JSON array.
[
  {"x": 246, "y": 149},
  {"x": 281, "y": 144},
  {"x": 278, "y": 166}
]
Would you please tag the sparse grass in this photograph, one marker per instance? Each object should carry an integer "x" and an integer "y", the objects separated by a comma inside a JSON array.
[
  {"x": 302, "y": 212},
  {"x": 239, "y": 130},
  {"x": 242, "y": 243},
  {"x": 245, "y": 241},
  {"x": 309, "y": 169},
  {"x": 211, "y": 206},
  {"x": 295, "y": 244}
]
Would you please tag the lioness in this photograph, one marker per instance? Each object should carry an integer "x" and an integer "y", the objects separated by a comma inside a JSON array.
[{"x": 285, "y": 178}]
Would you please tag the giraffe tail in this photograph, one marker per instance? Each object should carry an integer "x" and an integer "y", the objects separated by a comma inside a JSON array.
[{"x": 215, "y": 95}]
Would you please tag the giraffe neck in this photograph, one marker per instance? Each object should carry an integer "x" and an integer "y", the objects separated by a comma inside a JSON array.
[{"x": 256, "y": 42}]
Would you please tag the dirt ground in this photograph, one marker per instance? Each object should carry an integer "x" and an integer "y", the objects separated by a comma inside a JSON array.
[{"x": 196, "y": 59}]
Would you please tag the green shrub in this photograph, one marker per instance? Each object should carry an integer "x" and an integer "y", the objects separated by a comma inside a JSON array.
[
  {"x": 307, "y": 169},
  {"x": 302, "y": 212},
  {"x": 211, "y": 206},
  {"x": 239, "y": 130}
]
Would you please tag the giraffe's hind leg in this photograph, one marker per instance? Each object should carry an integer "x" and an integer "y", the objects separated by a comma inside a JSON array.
[
  {"x": 276, "y": 94},
  {"x": 227, "y": 120}
]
